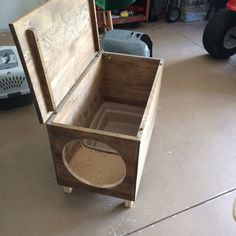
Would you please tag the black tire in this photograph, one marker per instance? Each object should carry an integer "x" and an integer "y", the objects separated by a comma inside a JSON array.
[
  {"x": 215, "y": 34},
  {"x": 173, "y": 14}
]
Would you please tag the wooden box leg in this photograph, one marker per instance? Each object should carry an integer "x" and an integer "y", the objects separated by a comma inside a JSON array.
[
  {"x": 129, "y": 204},
  {"x": 67, "y": 189}
]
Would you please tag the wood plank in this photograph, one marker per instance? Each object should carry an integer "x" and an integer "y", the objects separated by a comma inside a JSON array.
[
  {"x": 148, "y": 121},
  {"x": 68, "y": 41},
  {"x": 40, "y": 70},
  {"x": 27, "y": 75},
  {"x": 93, "y": 17},
  {"x": 84, "y": 99},
  {"x": 109, "y": 19},
  {"x": 128, "y": 79},
  {"x": 130, "y": 19}
]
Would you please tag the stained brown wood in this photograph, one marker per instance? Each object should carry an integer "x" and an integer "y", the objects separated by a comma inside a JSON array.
[
  {"x": 128, "y": 79},
  {"x": 40, "y": 70},
  {"x": 109, "y": 19},
  {"x": 148, "y": 121},
  {"x": 107, "y": 23},
  {"x": 96, "y": 78},
  {"x": 84, "y": 99},
  {"x": 104, "y": 23},
  {"x": 68, "y": 39},
  {"x": 66, "y": 73},
  {"x": 94, "y": 23},
  {"x": 127, "y": 147}
]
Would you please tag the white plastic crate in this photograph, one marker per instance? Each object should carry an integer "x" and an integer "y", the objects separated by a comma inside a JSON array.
[{"x": 14, "y": 90}]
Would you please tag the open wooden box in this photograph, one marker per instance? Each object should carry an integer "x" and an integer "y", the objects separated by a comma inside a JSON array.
[{"x": 72, "y": 82}]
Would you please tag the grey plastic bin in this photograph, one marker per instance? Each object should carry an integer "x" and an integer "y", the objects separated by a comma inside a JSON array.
[{"x": 127, "y": 42}]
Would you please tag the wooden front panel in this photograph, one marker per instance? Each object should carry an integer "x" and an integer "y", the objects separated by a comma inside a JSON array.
[
  {"x": 126, "y": 146},
  {"x": 66, "y": 38}
]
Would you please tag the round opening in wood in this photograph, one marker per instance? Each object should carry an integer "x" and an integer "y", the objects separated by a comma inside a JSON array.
[{"x": 92, "y": 166}]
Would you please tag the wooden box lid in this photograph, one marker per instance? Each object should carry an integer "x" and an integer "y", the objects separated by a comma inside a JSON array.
[{"x": 56, "y": 43}]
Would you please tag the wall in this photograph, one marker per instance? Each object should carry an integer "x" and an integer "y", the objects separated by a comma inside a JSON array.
[{"x": 10, "y": 10}]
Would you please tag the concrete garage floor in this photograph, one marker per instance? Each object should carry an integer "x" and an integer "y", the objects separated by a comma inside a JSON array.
[{"x": 189, "y": 181}]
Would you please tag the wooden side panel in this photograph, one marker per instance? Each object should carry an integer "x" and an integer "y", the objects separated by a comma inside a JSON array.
[
  {"x": 84, "y": 99},
  {"x": 127, "y": 147},
  {"x": 128, "y": 79},
  {"x": 68, "y": 40},
  {"x": 148, "y": 121}
]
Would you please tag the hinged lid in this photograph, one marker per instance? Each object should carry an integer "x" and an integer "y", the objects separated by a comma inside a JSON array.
[{"x": 56, "y": 43}]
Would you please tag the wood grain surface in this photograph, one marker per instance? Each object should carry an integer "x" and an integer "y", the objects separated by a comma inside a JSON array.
[{"x": 67, "y": 38}]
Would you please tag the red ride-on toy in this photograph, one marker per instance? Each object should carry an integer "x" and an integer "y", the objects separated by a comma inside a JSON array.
[{"x": 219, "y": 37}]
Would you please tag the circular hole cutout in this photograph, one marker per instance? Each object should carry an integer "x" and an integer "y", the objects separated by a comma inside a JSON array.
[{"x": 92, "y": 166}]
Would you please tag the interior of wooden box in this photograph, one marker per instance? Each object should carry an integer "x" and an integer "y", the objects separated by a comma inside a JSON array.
[
  {"x": 117, "y": 79},
  {"x": 122, "y": 81}
]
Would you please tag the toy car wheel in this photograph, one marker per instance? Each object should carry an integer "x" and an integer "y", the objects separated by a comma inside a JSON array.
[
  {"x": 219, "y": 37},
  {"x": 173, "y": 14}
]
